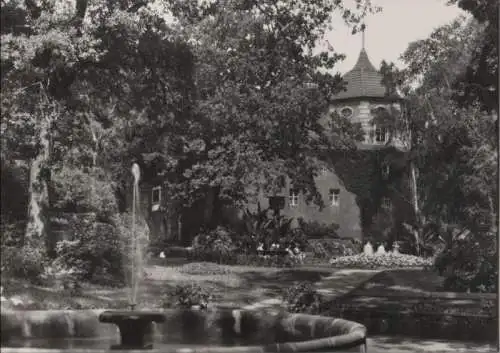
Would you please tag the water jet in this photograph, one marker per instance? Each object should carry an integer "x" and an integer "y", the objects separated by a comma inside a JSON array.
[{"x": 136, "y": 327}]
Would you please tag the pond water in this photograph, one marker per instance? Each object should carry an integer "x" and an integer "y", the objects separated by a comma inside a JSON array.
[
  {"x": 93, "y": 344},
  {"x": 377, "y": 344}
]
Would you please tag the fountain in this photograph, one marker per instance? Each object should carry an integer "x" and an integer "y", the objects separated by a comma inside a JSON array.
[
  {"x": 136, "y": 327},
  {"x": 216, "y": 330}
]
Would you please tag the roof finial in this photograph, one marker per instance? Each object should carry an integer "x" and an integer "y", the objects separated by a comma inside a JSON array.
[{"x": 363, "y": 36}]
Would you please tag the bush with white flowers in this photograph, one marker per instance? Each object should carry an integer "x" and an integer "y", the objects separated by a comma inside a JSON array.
[{"x": 387, "y": 260}]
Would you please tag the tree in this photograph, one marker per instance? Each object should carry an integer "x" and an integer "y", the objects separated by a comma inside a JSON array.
[
  {"x": 225, "y": 101},
  {"x": 40, "y": 47},
  {"x": 58, "y": 70},
  {"x": 480, "y": 80},
  {"x": 259, "y": 96},
  {"x": 453, "y": 149}
]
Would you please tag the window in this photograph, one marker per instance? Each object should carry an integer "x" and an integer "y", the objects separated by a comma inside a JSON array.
[
  {"x": 386, "y": 169},
  {"x": 155, "y": 198},
  {"x": 294, "y": 198},
  {"x": 346, "y": 112},
  {"x": 334, "y": 197},
  {"x": 386, "y": 203},
  {"x": 380, "y": 134}
]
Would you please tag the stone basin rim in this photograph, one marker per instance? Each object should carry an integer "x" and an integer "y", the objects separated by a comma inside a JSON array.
[
  {"x": 116, "y": 316},
  {"x": 308, "y": 333}
]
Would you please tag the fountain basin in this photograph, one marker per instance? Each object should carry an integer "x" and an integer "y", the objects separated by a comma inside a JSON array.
[{"x": 182, "y": 331}]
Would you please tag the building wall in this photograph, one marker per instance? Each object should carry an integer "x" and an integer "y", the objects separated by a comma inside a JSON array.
[
  {"x": 346, "y": 214},
  {"x": 361, "y": 113},
  {"x": 161, "y": 220}
]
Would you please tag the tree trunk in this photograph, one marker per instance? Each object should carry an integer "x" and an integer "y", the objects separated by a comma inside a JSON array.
[
  {"x": 209, "y": 206},
  {"x": 213, "y": 208},
  {"x": 36, "y": 228},
  {"x": 416, "y": 209},
  {"x": 179, "y": 228}
]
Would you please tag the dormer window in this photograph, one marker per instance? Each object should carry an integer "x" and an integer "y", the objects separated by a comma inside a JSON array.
[
  {"x": 334, "y": 197},
  {"x": 346, "y": 112},
  {"x": 294, "y": 198},
  {"x": 155, "y": 198}
]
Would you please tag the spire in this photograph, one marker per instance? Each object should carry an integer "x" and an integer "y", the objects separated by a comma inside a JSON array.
[{"x": 363, "y": 36}]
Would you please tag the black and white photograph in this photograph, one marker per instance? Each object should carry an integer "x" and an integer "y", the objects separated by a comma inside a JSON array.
[{"x": 249, "y": 176}]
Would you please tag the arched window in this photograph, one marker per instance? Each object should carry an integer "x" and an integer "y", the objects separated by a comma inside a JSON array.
[{"x": 381, "y": 132}]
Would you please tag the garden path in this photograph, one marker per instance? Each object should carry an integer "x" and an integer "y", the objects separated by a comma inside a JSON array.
[{"x": 331, "y": 284}]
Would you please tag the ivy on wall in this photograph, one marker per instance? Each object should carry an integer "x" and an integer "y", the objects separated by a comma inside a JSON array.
[{"x": 363, "y": 173}]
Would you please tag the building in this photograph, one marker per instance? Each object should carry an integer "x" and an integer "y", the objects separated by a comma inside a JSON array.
[
  {"x": 359, "y": 208},
  {"x": 356, "y": 210}
]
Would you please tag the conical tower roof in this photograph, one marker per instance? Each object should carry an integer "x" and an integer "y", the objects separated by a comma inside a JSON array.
[{"x": 363, "y": 81}]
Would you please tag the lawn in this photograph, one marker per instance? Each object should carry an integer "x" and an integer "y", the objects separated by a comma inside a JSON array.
[
  {"x": 229, "y": 285},
  {"x": 233, "y": 286}
]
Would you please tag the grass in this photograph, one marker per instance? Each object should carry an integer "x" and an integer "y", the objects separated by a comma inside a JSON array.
[
  {"x": 230, "y": 285},
  {"x": 233, "y": 285}
]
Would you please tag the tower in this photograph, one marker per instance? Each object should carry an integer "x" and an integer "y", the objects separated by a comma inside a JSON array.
[
  {"x": 363, "y": 93},
  {"x": 376, "y": 173}
]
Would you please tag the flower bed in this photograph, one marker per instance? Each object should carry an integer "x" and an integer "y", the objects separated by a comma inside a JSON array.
[{"x": 388, "y": 260}]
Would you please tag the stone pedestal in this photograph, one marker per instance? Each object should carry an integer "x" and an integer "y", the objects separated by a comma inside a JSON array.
[{"x": 136, "y": 327}]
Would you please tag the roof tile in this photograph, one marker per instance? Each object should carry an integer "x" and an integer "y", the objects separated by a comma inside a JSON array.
[{"x": 363, "y": 80}]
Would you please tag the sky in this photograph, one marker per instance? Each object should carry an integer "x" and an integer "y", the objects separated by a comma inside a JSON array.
[{"x": 389, "y": 32}]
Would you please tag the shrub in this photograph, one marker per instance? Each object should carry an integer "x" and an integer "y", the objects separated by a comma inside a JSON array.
[
  {"x": 256, "y": 228},
  {"x": 204, "y": 268},
  {"x": 468, "y": 266},
  {"x": 261, "y": 227},
  {"x": 294, "y": 237},
  {"x": 266, "y": 260},
  {"x": 58, "y": 276},
  {"x": 77, "y": 191},
  {"x": 12, "y": 233},
  {"x": 303, "y": 298},
  {"x": 27, "y": 262},
  {"x": 188, "y": 295},
  {"x": 331, "y": 248},
  {"x": 316, "y": 230},
  {"x": 215, "y": 246},
  {"x": 95, "y": 255}
]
